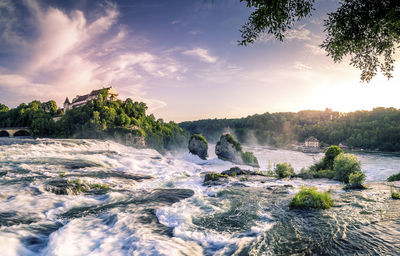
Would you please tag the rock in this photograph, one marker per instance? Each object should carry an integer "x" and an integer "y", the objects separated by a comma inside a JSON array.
[
  {"x": 229, "y": 149},
  {"x": 74, "y": 187},
  {"x": 65, "y": 187},
  {"x": 198, "y": 146},
  {"x": 235, "y": 171},
  {"x": 132, "y": 136},
  {"x": 215, "y": 178}
]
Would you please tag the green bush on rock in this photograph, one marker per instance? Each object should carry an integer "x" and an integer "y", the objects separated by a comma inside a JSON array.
[
  {"x": 213, "y": 176},
  {"x": 309, "y": 197},
  {"x": 396, "y": 195},
  {"x": 228, "y": 149},
  {"x": 249, "y": 158},
  {"x": 200, "y": 137},
  {"x": 394, "y": 177},
  {"x": 356, "y": 180},
  {"x": 284, "y": 170}
]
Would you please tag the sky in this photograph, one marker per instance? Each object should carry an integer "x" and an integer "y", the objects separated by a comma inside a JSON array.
[{"x": 181, "y": 57}]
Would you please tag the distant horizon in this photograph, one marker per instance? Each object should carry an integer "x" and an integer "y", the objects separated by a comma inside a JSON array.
[{"x": 60, "y": 105}]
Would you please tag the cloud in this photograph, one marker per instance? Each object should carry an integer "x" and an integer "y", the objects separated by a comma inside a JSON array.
[
  {"x": 301, "y": 66},
  {"x": 301, "y": 33},
  {"x": 70, "y": 55},
  {"x": 202, "y": 54},
  {"x": 315, "y": 49}
]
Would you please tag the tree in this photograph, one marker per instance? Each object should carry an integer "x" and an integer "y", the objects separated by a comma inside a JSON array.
[
  {"x": 368, "y": 31},
  {"x": 3, "y": 108},
  {"x": 330, "y": 154}
]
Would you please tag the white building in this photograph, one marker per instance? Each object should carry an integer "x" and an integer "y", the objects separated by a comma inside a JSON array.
[
  {"x": 311, "y": 142},
  {"x": 94, "y": 95}
]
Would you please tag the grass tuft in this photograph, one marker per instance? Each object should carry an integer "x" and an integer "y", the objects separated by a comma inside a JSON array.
[{"x": 309, "y": 197}]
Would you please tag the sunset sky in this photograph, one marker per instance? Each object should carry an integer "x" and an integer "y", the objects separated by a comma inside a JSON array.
[{"x": 180, "y": 57}]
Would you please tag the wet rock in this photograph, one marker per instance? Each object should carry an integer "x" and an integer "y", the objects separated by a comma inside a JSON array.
[
  {"x": 74, "y": 187},
  {"x": 112, "y": 174},
  {"x": 64, "y": 187},
  {"x": 8, "y": 219},
  {"x": 235, "y": 171},
  {"x": 229, "y": 149},
  {"x": 214, "y": 178},
  {"x": 198, "y": 146}
]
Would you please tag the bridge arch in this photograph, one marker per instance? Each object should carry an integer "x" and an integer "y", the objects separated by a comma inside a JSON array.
[
  {"x": 22, "y": 133},
  {"x": 4, "y": 134}
]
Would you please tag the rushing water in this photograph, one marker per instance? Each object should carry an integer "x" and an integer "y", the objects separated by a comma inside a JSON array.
[{"x": 158, "y": 205}]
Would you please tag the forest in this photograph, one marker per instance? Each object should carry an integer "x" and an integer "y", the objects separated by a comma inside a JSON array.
[
  {"x": 97, "y": 119},
  {"x": 378, "y": 129}
]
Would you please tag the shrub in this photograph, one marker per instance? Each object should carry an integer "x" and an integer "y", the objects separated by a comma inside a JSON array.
[
  {"x": 229, "y": 137},
  {"x": 356, "y": 179},
  {"x": 311, "y": 174},
  {"x": 344, "y": 165},
  {"x": 394, "y": 177},
  {"x": 317, "y": 166},
  {"x": 199, "y": 137},
  {"x": 309, "y": 197},
  {"x": 249, "y": 158},
  {"x": 395, "y": 195},
  {"x": 284, "y": 170},
  {"x": 214, "y": 176},
  {"x": 330, "y": 154},
  {"x": 329, "y": 174}
]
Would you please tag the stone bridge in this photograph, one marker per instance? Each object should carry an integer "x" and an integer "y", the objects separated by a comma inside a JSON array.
[{"x": 12, "y": 132}]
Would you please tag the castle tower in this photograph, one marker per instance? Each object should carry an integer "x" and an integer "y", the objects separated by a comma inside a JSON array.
[{"x": 66, "y": 104}]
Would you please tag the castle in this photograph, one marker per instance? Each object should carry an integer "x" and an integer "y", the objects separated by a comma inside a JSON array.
[{"x": 94, "y": 95}]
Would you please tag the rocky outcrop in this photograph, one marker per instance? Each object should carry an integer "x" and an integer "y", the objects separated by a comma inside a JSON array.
[
  {"x": 198, "y": 146},
  {"x": 229, "y": 149},
  {"x": 74, "y": 187},
  {"x": 135, "y": 140},
  {"x": 132, "y": 136},
  {"x": 215, "y": 178}
]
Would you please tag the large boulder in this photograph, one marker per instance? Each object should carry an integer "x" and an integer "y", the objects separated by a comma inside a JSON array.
[
  {"x": 198, "y": 146},
  {"x": 229, "y": 149}
]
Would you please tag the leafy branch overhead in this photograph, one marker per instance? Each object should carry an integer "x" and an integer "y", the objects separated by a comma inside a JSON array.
[{"x": 367, "y": 31}]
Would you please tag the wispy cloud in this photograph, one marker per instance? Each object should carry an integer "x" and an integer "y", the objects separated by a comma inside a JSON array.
[
  {"x": 301, "y": 33},
  {"x": 301, "y": 66},
  {"x": 315, "y": 49},
  {"x": 202, "y": 54}
]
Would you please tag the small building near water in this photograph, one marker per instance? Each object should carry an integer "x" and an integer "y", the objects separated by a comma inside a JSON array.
[{"x": 311, "y": 144}]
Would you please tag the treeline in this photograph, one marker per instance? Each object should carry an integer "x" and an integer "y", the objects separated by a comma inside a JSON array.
[
  {"x": 378, "y": 129},
  {"x": 98, "y": 119}
]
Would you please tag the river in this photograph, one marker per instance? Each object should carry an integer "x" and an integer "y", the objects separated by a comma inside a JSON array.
[{"x": 157, "y": 205}]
